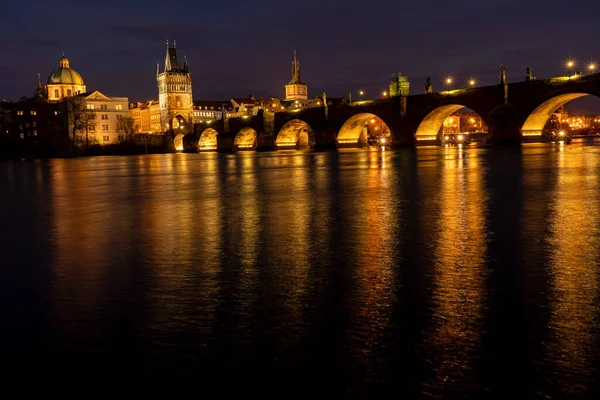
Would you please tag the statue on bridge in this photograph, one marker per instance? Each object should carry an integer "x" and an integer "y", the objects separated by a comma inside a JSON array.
[
  {"x": 502, "y": 74},
  {"x": 324, "y": 99},
  {"x": 349, "y": 97},
  {"x": 428, "y": 86},
  {"x": 529, "y": 77}
]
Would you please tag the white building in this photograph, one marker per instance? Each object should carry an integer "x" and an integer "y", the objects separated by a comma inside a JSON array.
[{"x": 98, "y": 116}]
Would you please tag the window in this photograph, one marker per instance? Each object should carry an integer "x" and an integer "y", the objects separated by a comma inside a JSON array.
[
  {"x": 34, "y": 124},
  {"x": 104, "y": 127},
  {"x": 103, "y": 107},
  {"x": 105, "y": 138},
  {"x": 68, "y": 92},
  {"x": 19, "y": 112},
  {"x": 89, "y": 106},
  {"x": 104, "y": 116},
  {"x": 119, "y": 116},
  {"x": 56, "y": 94},
  {"x": 119, "y": 107},
  {"x": 92, "y": 127},
  {"x": 33, "y": 112},
  {"x": 35, "y": 132}
]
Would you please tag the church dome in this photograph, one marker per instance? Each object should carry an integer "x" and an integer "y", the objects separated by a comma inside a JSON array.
[{"x": 64, "y": 74}]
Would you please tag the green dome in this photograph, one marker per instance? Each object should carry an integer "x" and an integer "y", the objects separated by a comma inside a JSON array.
[{"x": 65, "y": 75}]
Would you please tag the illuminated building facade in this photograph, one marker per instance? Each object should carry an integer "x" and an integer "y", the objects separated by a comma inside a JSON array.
[
  {"x": 296, "y": 89},
  {"x": 174, "y": 92},
  {"x": 96, "y": 115},
  {"x": 64, "y": 82}
]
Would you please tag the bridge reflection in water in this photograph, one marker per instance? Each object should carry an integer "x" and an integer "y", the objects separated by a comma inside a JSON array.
[{"x": 373, "y": 272}]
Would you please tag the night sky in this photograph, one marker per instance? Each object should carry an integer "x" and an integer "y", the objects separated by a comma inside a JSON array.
[{"x": 237, "y": 48}]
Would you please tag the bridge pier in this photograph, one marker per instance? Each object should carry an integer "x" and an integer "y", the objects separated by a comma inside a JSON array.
[{"x": 504, "y": 125}]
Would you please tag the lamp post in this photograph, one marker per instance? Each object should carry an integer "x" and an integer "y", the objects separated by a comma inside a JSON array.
[
  {"x": 571, "y": 67},
  {"x": 449, "y": 83},
  {"x": 592, "y": 68}
]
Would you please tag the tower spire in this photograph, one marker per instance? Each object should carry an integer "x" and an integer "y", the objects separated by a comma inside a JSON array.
[
  {"x": 39, "y": 81},
  {"x": 295, "y": 67}
]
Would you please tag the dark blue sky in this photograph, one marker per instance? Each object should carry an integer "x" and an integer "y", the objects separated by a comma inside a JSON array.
[{"x": 240, "y": 47}]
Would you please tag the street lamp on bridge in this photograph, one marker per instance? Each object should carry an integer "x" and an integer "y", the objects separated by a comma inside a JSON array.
[
  {"x": 570, "y": 64},
  {"x": 592, "y": 68},
  {"x": 449, "y": 82},
  {"x": 361, "y": 94},
  {"x": 472, "y": 82}
]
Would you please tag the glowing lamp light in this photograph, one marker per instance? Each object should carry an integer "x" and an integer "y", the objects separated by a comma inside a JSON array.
[
  {"x": 446, "y": 137},
  {"x": 472, "y": 82},
  {"x": 449, "y": 81},
  {"x": 383, "y": 140},
  {"x": 592, "y": 67},
  {"x": 561, "y": 133},
  {"x": 460, "y": 137},
  {"x": 384, "y": 94},
  {"x": 373, "y": 121},
  {"x": 361, "y": 92}
]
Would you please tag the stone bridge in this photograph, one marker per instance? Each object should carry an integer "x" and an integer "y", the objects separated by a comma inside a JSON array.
[{"x": 513, "y": 112}]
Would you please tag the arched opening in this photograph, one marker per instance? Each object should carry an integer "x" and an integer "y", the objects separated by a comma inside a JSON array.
[
  {"x": 451, "y": 123},
  {"x": 294, "y": 134},
  {"x": 245, "y": 139},
  {"x": 178, "y": 142},
  {"x": 208, "y": 140},
  {"x": 178, "y": 122},
  {"x": 552, "y": 117},
  {"x": 362, "y": 130}
]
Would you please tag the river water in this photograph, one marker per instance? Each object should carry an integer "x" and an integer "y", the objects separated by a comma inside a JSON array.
[{"x": 428, "y": 273}]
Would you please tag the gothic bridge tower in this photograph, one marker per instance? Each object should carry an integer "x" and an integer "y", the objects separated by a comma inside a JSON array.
[
  {"x": 175, "y": 92},
  {"x": 296, "y": 89}
]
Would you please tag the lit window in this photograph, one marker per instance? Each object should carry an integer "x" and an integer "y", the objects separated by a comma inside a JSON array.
[
  {"x": 90, "y": 106},
  {"x": 33, "y": 112},
  {"x": 19, "y": 112}
]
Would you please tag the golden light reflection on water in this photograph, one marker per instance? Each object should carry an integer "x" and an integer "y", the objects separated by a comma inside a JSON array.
[
  {"x": 573, "y": 248},
  {"x": 459, "y": 270},
  {"x": 372, "y": 244},
  {"x": 288, "y": 225}
]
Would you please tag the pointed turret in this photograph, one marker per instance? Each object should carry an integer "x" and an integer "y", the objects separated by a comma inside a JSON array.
[
  {"x": 171, "y": 60},
  {"x": 296, "y": 89},
  {"x": 295, "y": 70}
]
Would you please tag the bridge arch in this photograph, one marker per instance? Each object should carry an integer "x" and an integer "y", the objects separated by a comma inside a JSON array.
[
  {"x": 178, "y": 121},
  {"x": 357, "y": 130},
  {"x": 537, "y": 119},
  {"x": 208, "y": 140},
  {"x": 178, "y": 142},
  {"x": 294, "y": 134},
  {"x": 430, "y": 126},
  {"x": 245, "y": 139}
]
